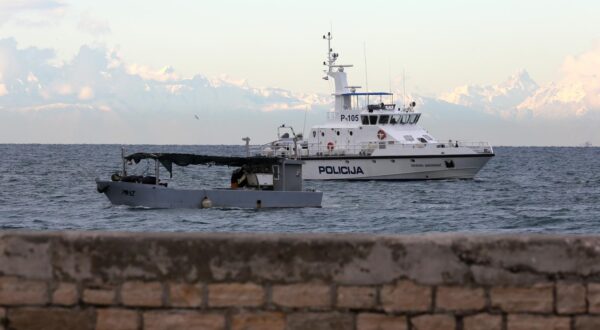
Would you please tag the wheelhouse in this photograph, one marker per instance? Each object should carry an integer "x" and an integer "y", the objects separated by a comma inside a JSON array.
[
  {"x": 390, "y": 119},
  {"x": 369, "y": 101}
]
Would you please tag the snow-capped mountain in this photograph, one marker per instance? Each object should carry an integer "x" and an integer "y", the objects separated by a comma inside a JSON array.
[
  {"x": 556, "y": 100},
  {"x": 493, "y": 98},
  {"x": 520, "y": 96}
]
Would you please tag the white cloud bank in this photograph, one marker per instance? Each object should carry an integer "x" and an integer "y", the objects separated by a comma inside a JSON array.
[
  {"x": 98, "y": 98},
  {"x": 107, "y": 100}
]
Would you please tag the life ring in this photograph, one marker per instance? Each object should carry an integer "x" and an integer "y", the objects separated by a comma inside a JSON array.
[
  {"x": 381, "y": 134},
  {"x": 330, "y": 146}
]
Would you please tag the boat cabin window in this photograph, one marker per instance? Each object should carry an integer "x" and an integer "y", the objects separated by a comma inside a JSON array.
[
  {"x": 384, "y": 119},
  {"x": 373, "y": 120},
  {"x": 422, "y": 140},
  {"x": 409, "y": 138},
  {"x": 404, "y": 119},
  {"x": 414, "y": 118},
  {"x": 314, "y": 133},
  {"x": 429, "y": 138},
  {"x": 365, "y": 120}
]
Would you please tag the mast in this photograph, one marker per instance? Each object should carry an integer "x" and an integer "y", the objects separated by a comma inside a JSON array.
[{"x": 336, "y": 71}]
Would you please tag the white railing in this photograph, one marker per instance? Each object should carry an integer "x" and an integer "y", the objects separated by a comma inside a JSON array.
[{"x": 365, "y": 148}]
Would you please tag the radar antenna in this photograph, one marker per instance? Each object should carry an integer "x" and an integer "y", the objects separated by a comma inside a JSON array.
[{"x": 331, "y": 57}]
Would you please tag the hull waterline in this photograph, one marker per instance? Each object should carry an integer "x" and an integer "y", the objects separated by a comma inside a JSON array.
[{"x": 156, "y": 196}]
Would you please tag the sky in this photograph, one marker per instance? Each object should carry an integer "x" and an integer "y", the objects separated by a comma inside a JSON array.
[{"x": 107, "y": 72}]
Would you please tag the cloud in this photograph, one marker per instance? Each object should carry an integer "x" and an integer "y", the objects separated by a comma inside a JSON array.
[
  {"x": 94, "y": 26},
  {"x": 31, "y": 12},
  {"x": 132, "y": 97}
]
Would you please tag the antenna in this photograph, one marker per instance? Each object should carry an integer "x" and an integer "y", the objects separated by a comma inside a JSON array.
[
  {"x": 404, "y": 89},
  {"x": 390, "y": 73},
  {"x": 304, "y": 126},
  {"x": 366, "y": 70}
]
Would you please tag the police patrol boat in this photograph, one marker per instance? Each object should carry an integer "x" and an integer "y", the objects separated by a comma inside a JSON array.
[
  {"x": 368, "y": 137},
  {"x": 258, "y": 182}
]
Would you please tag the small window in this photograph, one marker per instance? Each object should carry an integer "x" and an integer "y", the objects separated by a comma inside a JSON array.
[
  {"x": 384, "y": 119},
  {"x": 322, "y": 133},
  {"x": 404, "y": 119},
  {"x": 414, "y": 118},
  {"x": 427, "y": 137},
  {"x": 411, "y": 119},
  {"x": 422, "y": 140},
  {"x": 395, "y": 119},
  {"x": 373, "y": 120},
  {"x": 409, "y": 138},
  {"x": 338, "y": 133},
  {"x": 314, "y": 133},
  {"x": 351, "y": 133},
  {"x": 365, "y": 120}
]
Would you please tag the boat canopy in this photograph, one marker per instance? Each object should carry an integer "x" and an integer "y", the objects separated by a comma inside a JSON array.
[{"x": 168, "y": 159}]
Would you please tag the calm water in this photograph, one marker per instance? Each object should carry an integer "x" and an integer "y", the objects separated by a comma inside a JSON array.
[{"x": 520, "y": 190}]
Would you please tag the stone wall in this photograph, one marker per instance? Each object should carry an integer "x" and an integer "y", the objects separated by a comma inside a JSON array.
[{"x": 93, "y": 280}]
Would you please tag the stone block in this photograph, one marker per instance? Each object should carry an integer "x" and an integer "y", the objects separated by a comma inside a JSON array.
[
  {"x": 482, "y": 322},
  {"x": 358, "y": 297},
  {"x": 183, "y": 320},
  {"x": 437, "y": 322},
  {"x": 319, "y": 321},
  {"x": 99, "y": 296},
  {"x": 142, "y": 294},
  {"x": 303, "y": 295},
  {"x": 258, "y": 321},
  {"x": 372, "y": 321},
  {"x": 116, "y": 319},
  {"x": 185, "y": 295},
  {"x": 537, "y": 298},
  {"x": 14, "y": 291},
  {"x": 235, "y": 295},
  {"x": 406, "y": 296},
  {"x": 587, "y": 322},
  {"x": 50, "y": 319},
  {"x": 65, "y": 294},
  {"x": 593, "y": 297},
  {"x": 495, "y": 276},
  {"x": 570, "y": 298},
  {"x": 537, "y": 322},
  {"x": 459, "y": 299}
]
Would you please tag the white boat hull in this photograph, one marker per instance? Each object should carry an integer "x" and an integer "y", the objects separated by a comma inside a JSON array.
[
  {"x": 153, "y": 196},
  {"x": 394, "y": 167}
]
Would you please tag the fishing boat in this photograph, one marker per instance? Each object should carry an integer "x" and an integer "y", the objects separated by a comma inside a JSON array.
[
  {"x": 367, "y": 136},
  {"x": 257, "y": 182}
]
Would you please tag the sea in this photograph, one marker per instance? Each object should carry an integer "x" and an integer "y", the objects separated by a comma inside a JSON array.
[{"x": 521, "y": 190}]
